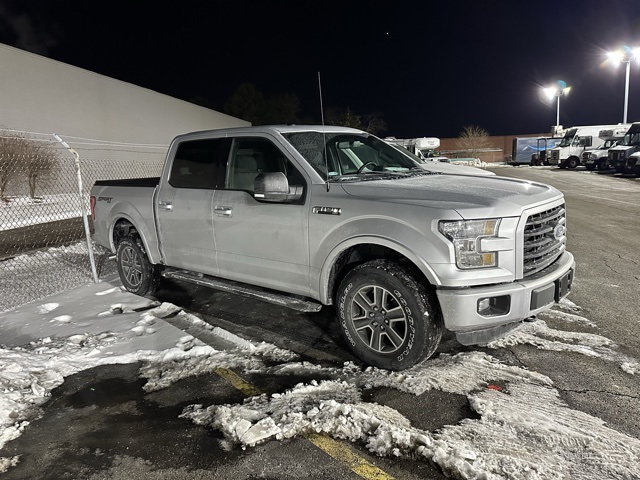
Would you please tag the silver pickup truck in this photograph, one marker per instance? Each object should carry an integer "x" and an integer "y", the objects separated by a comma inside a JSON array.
[{"x": 307, "y": 216}]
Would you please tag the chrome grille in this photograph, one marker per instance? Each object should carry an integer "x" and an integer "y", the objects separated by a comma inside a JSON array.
[
  {"x": 555, "y": 155},
  {"x": 544, "y": 239},
  {"x": 616, "y": 155}
]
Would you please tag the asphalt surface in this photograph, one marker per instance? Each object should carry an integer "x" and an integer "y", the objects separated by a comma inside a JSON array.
[{"x": 101, "y": 424}]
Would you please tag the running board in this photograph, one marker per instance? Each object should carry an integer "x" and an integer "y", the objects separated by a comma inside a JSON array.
[{"x": 293, "y": 303}]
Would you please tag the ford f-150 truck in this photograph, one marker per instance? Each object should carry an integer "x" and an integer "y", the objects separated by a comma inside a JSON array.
[{"x": 307, "y": 216}]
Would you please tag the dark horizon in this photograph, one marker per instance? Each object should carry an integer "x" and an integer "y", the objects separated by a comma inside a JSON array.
[{"x": 430, "y": 73}]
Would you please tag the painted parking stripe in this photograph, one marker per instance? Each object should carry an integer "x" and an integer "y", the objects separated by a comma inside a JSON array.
[{"x": 328, "y": 445}]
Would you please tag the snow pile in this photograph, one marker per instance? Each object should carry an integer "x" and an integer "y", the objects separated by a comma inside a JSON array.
[
  {"x": 543, "y": 337},
  {"x": 525, "y": 430},
  {"x": 515, "y": 438}
]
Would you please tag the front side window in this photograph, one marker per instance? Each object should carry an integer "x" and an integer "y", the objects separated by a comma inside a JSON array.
[
  {"x": 200, "y": 163},
  {"x": 252, "y": 156}
]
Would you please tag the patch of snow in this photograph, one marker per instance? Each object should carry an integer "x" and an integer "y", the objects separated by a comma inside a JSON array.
[{"x": 47, "y": 307}]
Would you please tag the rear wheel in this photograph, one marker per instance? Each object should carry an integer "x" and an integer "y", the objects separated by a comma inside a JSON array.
[
  {"x": 388, "y": 319},
  {"x": 137, "y": 273}
]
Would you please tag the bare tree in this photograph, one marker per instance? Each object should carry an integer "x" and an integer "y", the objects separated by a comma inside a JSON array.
[
  {"x": 343, "y": 118},
  {"x": 473, "y": 139},
  {"x": 39, "y": 168},
  {"x": 12, "y": 148},
  {"x": 247, "y": 102},
  {"x": 20, "y": 154},
  {"x": 374, "y": 123}
]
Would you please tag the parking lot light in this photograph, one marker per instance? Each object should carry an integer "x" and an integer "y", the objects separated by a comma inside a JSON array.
[
  {"x": 557, "y": 90},
  {"x": 625, "y": 55}
]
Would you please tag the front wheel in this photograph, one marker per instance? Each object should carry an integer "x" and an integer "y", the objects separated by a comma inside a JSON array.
[
  {"x": 572, "y": 162},
  {"x": 137, "y": 273},
  {"x": 388, "y": 319},
  {"x": 604, "y": 165},
  {"x": 591, "y": 166}
]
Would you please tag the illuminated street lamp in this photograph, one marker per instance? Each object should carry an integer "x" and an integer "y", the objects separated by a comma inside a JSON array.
[
  {"x": 625, "y": 55},
  {"x": 559, "y": 89}
]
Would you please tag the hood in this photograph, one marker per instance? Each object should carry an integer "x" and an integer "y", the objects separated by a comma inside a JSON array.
[
  {"x": 452, "y": 169},
  {"x": 470, "y": 196},
  {"x": 621, "y": 148}
]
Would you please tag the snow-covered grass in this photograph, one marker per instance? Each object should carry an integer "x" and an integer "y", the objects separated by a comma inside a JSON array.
[
  {"x": 524, "y": 430},
  {"x": 25, "y": 211}
]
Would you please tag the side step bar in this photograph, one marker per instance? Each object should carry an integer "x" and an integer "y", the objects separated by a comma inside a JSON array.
[{"x": 294, "y": 303}]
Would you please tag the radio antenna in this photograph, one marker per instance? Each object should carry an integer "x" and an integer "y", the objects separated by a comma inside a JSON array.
[{"x": 324, "y": 135}]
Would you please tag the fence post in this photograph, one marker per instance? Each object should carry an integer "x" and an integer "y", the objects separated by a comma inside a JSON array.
[{"x": 87, "y": 231}]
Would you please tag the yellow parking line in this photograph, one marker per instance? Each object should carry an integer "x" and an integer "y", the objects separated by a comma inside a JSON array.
[
  {"x": 341, "y": 452},
  {"x": 331, "y": 447},
  {"x": 238, "y": 382}
]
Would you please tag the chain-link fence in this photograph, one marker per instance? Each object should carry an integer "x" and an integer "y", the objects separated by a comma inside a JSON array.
[{"x": 44, "y": 212}]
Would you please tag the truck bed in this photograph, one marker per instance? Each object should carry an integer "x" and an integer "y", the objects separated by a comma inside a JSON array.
[{"x": 129, "y": 182}]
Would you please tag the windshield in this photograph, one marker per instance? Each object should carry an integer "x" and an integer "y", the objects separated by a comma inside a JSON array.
[
  {"x": 568, "y": 137},
  {"x": 631, "y": 139},
  {"x": 350, "y": 153}
]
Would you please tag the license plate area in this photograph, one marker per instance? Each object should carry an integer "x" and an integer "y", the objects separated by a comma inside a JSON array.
[{"x": 563, "y": 285}]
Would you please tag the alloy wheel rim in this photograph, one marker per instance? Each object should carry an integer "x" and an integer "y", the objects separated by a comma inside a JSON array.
[
  {"x": 131, "y": 266},
  {"x": 379, "y": 319}
]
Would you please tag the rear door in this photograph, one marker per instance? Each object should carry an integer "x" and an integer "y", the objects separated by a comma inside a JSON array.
[
  {"x": 258, "y": 242},
  {"x": 184, "y": 204}
]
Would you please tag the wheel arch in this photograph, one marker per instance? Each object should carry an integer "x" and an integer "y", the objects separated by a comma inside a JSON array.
[
  {"x": 353, "y": 252},
  {"x": 122, "y": 226}
]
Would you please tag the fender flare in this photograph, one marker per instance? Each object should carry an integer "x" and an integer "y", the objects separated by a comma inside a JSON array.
[{"x": 329, "y": 262}]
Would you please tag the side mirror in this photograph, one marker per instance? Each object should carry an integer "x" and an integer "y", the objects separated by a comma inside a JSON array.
[{"x": 274, "y": 187}]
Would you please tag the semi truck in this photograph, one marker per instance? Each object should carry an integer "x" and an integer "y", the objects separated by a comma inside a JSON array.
[
  {"x": 532, "y": 150},
  {"x": 574, "y": 143}
]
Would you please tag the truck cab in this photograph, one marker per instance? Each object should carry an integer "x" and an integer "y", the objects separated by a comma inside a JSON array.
[
  {"x": 599, "y": 158},
  {"x": 575, "y": 142},
  {"x": 619, "y": 155}
]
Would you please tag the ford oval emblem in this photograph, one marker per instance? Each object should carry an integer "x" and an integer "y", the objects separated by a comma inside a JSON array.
[{"x": 559, "y": 231}]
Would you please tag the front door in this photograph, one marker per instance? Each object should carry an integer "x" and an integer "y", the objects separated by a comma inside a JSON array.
[{"x": 258, "y": 242}]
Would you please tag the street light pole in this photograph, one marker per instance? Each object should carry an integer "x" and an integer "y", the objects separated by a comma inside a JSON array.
[
  {"x": 626, "y": 91},
  {"x": 625, "y": 55},
  {"x": 559, "y": 89}
]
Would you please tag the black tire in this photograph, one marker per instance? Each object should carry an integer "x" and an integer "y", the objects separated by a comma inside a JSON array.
[
  {"x": 619, "y": 168},
  {"x": 604, "y": 165},
  {"x": 591, "y": 167},
  {"x": 137, "y": 273},
  {"x": 388, "y": 319},
  {"x": 572, "y": 162}
]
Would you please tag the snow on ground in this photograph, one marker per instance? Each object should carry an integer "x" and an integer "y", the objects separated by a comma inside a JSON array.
[
  {"x": 525, "y": 431},
  {"x": 25, "y": 211}
]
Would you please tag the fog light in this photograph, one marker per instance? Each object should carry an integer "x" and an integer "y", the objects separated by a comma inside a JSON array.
[{"x": 494, "y": 306}]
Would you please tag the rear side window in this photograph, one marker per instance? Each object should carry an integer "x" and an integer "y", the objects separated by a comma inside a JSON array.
[{"x": 200, "y": 163}]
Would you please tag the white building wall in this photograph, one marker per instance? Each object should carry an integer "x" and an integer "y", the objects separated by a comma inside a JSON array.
[{"x": 100, "y": 117}]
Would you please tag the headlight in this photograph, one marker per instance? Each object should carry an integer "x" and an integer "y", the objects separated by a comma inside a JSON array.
[
  {"x": 593, "y": 156},
  {"x": 465, "y": 236}
]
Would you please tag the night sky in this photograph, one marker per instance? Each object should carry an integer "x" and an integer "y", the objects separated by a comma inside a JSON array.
[{"x": 431, "y": 68}]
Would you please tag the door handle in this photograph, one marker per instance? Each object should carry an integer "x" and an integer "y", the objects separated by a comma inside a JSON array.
[
  {"x": 165, "y": 205},
  {"x": 223, "y": 211}
]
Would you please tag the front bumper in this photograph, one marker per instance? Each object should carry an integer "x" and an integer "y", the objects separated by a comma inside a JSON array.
[{"x": 527, "y": 297}]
